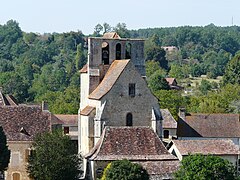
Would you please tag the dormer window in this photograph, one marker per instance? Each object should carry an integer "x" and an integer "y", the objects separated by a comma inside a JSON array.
[{"x": 131, "y": 91}]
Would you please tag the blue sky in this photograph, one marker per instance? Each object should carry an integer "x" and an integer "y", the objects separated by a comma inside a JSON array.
[{"x": 71, "y": 15}]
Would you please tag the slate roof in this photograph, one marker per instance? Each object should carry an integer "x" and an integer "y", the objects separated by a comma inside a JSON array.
[
  {"x": 68, "y": 119},
  {"x": 132, "y": 143},
  {"x": 30, "y": 118},
  {"x": 168, "y": 121},
  {"x": 7, "y": 100},
  {"x": 212, "y": 146},
  {"x": 87, "y": 110},
  {"x": 109, "y": 79},
  {"x": 209, "y": 125}
]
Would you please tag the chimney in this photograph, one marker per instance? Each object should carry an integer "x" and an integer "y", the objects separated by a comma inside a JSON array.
[
  {"x": 44, "y": 106},
  {"x": 182, "y": 113}
]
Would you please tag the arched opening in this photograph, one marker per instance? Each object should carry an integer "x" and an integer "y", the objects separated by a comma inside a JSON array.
[
  {"x": 16, "y": 176},
  {"x": 105, "y": 53},
  {"x": 118, "y": 51},
  {"x": 129, "y": 119},
  {"x": 166, "y": 134},
  {"x": 128, "y": 51}
]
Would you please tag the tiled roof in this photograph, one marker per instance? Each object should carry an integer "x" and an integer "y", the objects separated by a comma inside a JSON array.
[
  {"x": 111, "y": 35},
  {"x": 84, "y": 69},
  {"x": 168, "y": 121},
  {"x": 7, "y": 100},
  {"x": 87, "y": 110},
  {"x": 69, "y": 119},
  {"x": 109, "y": 79},
  {"x": 213, "y": 146},
  {"x": 30, "y": 118},
  {"x": 132, "y": 143},
  {"x": 209, "y": 125}
]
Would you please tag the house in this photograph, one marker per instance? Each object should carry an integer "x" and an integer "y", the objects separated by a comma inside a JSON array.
[
  {"x": 172, "y": 82},
  {"x": 138, "y": 144},
  {"x": 224, "y": 148},
  {"x": 169, "y": 125},
  {"x": 170, "y": 49},
  {"x": 21, "y": 123},
  {"x": 114, "y": 94}
]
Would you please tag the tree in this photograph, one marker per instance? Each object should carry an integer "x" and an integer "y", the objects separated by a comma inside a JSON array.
[
  {"x": 205, "y": 167},
  {"x": 124, "y": 169},
  {"x": 157, "y": 82},
  {"x": 205, "y": 86},
  {"x": 54, "y": 157},
  {"x": 4, "y": 152},
  {"x": 97, "y": 30},
  {"x": 121, "y": 30},
  {"x": 232, "y": 74}
]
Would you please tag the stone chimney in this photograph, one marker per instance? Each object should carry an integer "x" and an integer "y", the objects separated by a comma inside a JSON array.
[
  {"x": 44, "y": 106},
  {"x": 182, "y": 113}
]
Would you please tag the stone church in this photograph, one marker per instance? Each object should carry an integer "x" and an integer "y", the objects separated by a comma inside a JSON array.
[{"x": 115, "y": 98}]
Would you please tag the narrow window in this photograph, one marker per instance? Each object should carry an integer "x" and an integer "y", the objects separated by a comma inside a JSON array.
[
  {"x": 118, "y": 51},
  {"x": 166, "y": 133},
  {"x": 16, "y": 176},
  {"x": 131, "y": 91},
  {"x": 128, "y": 51},
  {"x": 66, "y": 130},
  {"x": 129, "y": 119},
  {"x": 105, "y": 53},
  {"x": 27, "y": 153}
]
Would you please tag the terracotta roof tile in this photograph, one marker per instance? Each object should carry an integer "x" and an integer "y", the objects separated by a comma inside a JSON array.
[
  {"x": 213, "y": 146},
  {"x": 70, "y": 119},
  {"x": 133, "y": 143},
  {"x": 109, "y": 79},
  {"x": 209, "y": 125},
  {"x": 87, "y": 110},
  {"x": 31, "y": 118},
  {"x": 168, "y": 121}
]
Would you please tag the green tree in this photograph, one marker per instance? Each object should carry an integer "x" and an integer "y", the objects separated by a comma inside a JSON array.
[
  {"x": 54, "y": 157},
  {"x": 205, "y": 167},
  {"x": 4, "y": 152},
  {"x": 152, "y": 67},
  {"x": 80, "y": 58},
  {"x": 157, "y": 82},
  {"x": 205, "y": 86},
  {"x": 121, "y": 29},
  {"x": 124, "y": 169}
]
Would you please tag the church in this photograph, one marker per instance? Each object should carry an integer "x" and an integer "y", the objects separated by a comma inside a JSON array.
[{"x": 119, "y": 117}]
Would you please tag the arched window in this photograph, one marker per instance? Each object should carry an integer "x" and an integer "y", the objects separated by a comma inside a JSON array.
[
  {"x": 105, "y": 53},
  {"x": 118, "y": 51},
  {"x": 166, "y": 134},
  {"x": 128, "y": 51},
  {"x": 129, "y": 119},
  {"x": 16, "y": 176}
]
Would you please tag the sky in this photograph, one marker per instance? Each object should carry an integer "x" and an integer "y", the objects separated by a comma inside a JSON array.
[{"x": 48, "y": 16}]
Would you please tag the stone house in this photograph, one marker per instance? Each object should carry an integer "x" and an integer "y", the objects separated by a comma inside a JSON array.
[
  {"x": 169, "y": 126},
  {"x": 114, "y": 94},
  {"x": 172, "y": 82}
]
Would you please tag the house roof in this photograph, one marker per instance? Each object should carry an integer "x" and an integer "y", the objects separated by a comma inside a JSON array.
[
  {"x": 87, "y": 110},
  {"x": 209, "y": 125},
  {"x": 111, "y": 35},
  {"x": 168, "y": 121},
  {"x": 84, "y": 69},
  {"x": 133, "y": 143},
  {"x": 109, "y": 79},
  {"x": 31, "y": 119},
  {"x": 170, "y": 80},
  {"x": 212, "y": 146},
  {"x": 68, "y": 119},
  {"x": 7, "y": 100}
]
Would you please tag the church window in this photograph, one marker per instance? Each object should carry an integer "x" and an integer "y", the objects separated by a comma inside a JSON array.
[
  {"x": 132, "y": 90},
  {"x": 118, "y": 51},
  {"x": 105, "y": 53},
  {"x": 129, "y": 119},
  {"x": 128, "y": 51},
  {"x": 166, "y": 134},
  {"x": 16, "y": 176}
]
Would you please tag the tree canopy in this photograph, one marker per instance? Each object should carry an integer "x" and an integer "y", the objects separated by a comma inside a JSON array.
[
  {"x": 124, "y": 169},
  {"x": 4, "y": 151},
  {"x": 205, "y": 167},
  {"x": 54, "y": 156}
]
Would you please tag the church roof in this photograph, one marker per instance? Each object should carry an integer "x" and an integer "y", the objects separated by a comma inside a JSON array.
[
  {"x": 168, "y": 121},
  {"x": 213, "y": 146},
  {"x": 109, "y": 79},
  {"x": 132, "y": 143},
  {"x": 7, "y": 100},
  {"x": 209, "y": 125},
  {"x": 87, "y": 110},
  {"x": 29, "y": 119},
  {"x": 111, "y": 35}
]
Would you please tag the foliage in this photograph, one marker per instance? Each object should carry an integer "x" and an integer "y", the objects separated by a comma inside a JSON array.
[
  {"x": 152, "y": 67},
  {"x": 157, "y": 82},
  {"x": 54, "y": 157},
  {"x": 4, "y": 151},
  {"x": 124, "y": 169},
  {"x": 205, "y": 167},
  {"x": 205, "y": 86}
]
